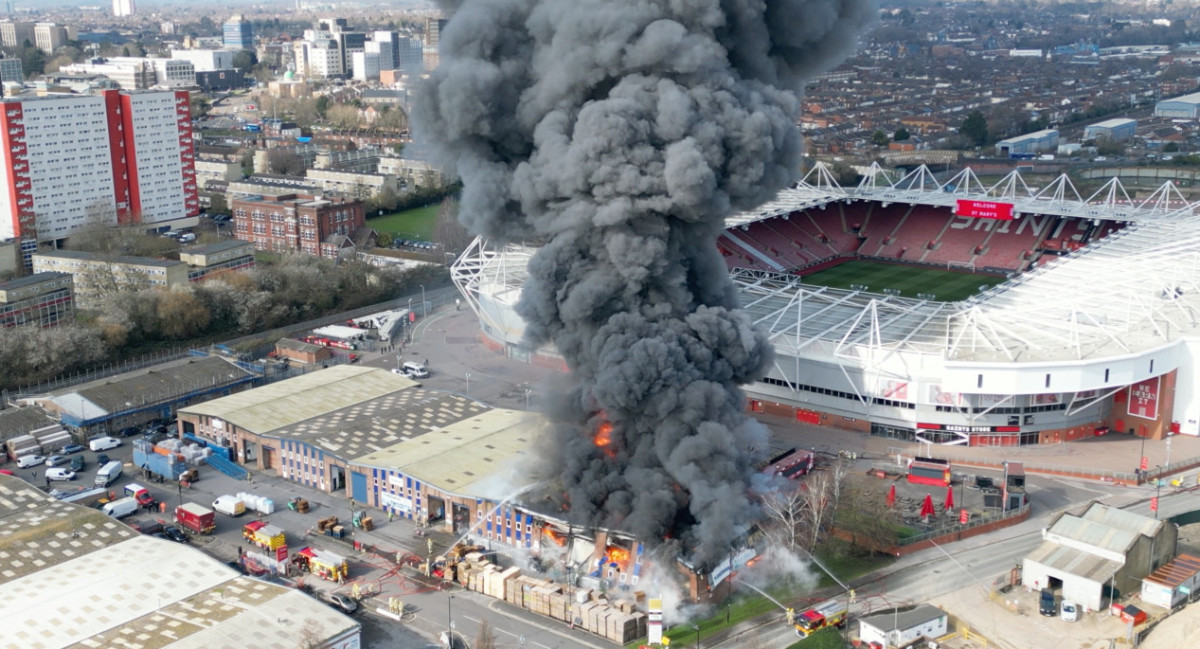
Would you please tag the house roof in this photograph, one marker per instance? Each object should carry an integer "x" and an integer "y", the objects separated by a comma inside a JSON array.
[
  {"x": 904, "y": 620},
  {"x": 1176, "y": 571}
]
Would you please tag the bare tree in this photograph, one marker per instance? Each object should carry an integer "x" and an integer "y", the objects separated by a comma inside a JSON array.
[
  {"x": 284, "y": 161},
  {"x": 817, "y": 512},
  {"x": 786, "y": 510},
  {"x": 485, "y": 638},
  {"x": 447, "y": 231}
]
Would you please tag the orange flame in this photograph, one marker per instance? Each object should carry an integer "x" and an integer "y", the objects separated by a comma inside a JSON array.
[
  {"x": 617, "y": 555},
  {"x": 603, "y": 435}
]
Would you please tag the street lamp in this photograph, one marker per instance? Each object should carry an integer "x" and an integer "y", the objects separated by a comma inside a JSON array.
[
  {"x": 449, "y": 623},
  {"x": 527, "y": 393},
  {"x": 1157, "y": 489},
  {"x": 697, "y": 628},
  {"x": 468, "y": 382},
  {"x": 424, "y": 312}
]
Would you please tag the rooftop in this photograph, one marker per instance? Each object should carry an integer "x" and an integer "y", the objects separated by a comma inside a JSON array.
[
  {"x": 888, "y": 622},
  {"x": 31, "y": 280},
  {"x": 119, "y": 259},
  {"x": 220, "y": 246},
  {"x": 1070, "y": 560}
]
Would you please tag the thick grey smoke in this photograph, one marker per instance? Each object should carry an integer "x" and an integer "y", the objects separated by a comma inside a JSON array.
[{"x": 619, "y": 134}]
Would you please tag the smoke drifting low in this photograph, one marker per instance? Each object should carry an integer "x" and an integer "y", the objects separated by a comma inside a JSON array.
[{"x": 619, "y": 134}]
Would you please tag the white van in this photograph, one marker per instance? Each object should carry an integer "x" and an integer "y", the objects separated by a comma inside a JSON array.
[
  {"x": 187, "y": 237},
  {"x": 229, "y": 505},
  {"x": 415, "y": 370},
  {"x": 104, "y": 443},
  {"x": 108, "y": 473},
  {"x": 120, "y": 508},
  {"x": 60, "y": 473}
]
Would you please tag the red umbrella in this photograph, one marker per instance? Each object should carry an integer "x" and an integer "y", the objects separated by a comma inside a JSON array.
[
  {"x": 891, "y": 497},
  {"x": 949, "y": 498},
  {"x": 927, "y": 506}
]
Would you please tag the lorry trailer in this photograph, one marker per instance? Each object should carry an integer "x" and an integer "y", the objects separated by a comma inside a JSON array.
[{"x": 196, "y": 518}]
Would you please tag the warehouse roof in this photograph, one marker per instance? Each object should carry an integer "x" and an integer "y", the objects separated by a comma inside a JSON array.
[
  {"x": 1176, "y": 571},
  {"x": 76, "y": 578},
  {"x": 375, "y": 424},
  {"x": 290, "y": 402},
  {"x": 1093, "y": 533},
  {"x": 158, "y": 384},
  {"x": 1074, "y": 562},
  {"x": 888, "y": 622},
  {"x": 1122, "y": 519},
  {"x": 467, "y": 458},
  {"x": 19, "y": 421}
]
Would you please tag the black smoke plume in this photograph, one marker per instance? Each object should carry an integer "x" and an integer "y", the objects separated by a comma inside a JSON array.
[{"x": 619, "y": 134}]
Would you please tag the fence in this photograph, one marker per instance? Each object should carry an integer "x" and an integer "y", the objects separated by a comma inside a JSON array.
[
  {"x": 106, "y": 371},
  {"x": 1107, "y": 475}
]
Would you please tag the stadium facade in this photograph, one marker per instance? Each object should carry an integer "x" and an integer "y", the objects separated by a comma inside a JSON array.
[{"x": 1094, "y": 327}]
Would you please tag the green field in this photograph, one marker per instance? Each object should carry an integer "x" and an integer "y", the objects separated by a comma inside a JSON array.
[
  {"x": 416, "y": 223},
  {"x": 944, "y": 285}
]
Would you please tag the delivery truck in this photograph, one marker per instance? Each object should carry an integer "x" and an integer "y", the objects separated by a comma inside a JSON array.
[
  {"x": 140, "y": 494},
  {"x": 196, "y": 518}
]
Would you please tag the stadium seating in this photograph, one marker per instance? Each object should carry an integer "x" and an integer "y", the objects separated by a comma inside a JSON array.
[{"x": 1012, "y": 244}]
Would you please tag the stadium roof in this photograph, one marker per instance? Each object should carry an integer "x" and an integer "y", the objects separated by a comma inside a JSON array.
[{"x": 1134, "y": 291}]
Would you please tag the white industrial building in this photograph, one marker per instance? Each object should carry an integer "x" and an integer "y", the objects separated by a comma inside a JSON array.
[
  {"x": 205, "y": 60},
  {"x": 898, "y": 629},
  {"x": 1185, "y": 107},
  {"x": 1030, "y": 143},
  {"x": 1101, "y": 551},
  {"x": 87, "y": 580}
]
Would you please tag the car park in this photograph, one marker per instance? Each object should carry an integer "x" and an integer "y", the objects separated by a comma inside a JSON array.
[
  {"x": 103, "y": 443},
  {"x": 57, "y": 460},
  {"x": 60, "y": 473},
  {"x": 33, "y": 459},
  {"x": 70, "y": 449}
]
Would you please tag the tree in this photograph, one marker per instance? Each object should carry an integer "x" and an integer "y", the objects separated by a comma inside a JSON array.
[
  {"x": 284, "y": 161},
  {"x": 343, "y": 117},
  {"x": 879, "y": 138},
  {"x": 485, "y": 638},
  {"x": 785, "y": 509},
  {"x": 447, "y": 231},
  {"x": 199, "y": 105},
  {"x": 33, "y": 60},
  {"x": 243, "y": 60},
  {"x": 1108, "y": 146},
  {"x": 901, "y": 134},
  {"x": 975, "y": 128},
  {"x": 1170, "y": 147},
  {"x": 181, "y": 315}
]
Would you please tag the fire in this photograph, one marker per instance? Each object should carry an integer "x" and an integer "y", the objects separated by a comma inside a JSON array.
[
  {"x": 617, "y": 555},
  {"x": 603, "y": 436},
  {"x": 553, "y": 535}
]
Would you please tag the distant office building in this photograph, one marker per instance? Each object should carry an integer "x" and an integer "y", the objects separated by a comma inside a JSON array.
[
  {"x": 48, "y": 37},
  {"x": 297, "y": 222},
  {"x": 433, "y": 31},
  {"x": 239, "y": 33},
  {"x": 97, "y": 276},
  {"x": 1028, "y": 144},
  {"x": 135, "y": 73},
  {"x": 14, "y": 34},
  {"x": 388, "y": 45},
  {"x": 1185, "y": 107},
  {"x": 213, "y": 259},
  {"x": 220, "y": 80},
  {"x": 10, "y": 70},
  {"x": 115, "y": 157},
  {"x": 366, "y": 65},
  {"x": 206, "y": 60},
  {"x": 44, "y": 299},
  {"x": 122, "y": 8},
  {"x": 1114, "y": 129}
]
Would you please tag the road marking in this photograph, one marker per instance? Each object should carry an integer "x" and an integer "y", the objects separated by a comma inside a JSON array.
[{"x": 515, "y": 635}]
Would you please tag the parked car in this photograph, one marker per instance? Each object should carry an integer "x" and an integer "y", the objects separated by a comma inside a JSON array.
[
  {"x": 33, "y": 459},
  {"x": 102, "y": 459},
  {"x": 343, "y": 602},
  {"x": 1070, "y": 611},
  {"x": 70, "y": 449},
  {"x": 57, "y": 460},
  {"x": 60, "y": 473},
  {"x": 104, "y": 443},
  {"x": 175, "y": 534},
  {"x": 1047, "y": 605},
  {"x": 128, "y": 431},
  {"x": 76, "y": 463}
]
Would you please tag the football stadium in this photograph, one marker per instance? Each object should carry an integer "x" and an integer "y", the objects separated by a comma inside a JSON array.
[{"x": 948, "y": 312}]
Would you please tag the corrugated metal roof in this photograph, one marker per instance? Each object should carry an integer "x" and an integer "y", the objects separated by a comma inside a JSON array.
[
  {"x": 469, "y": 457},
  {"x": 292, "y": 401},
  {"x": 1074, "y": 562},
  {"x": 1176, "y": 571},
  {"x": 1123, "y": 519},
  {"x": 888, "y": 622},
  {"x": 1093, "y": 533}
]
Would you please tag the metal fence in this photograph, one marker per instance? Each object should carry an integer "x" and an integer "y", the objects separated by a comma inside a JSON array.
[
  {"x": 955, "y": 527},
  {"x": 96, "y": 374},
  {"x": 946, "y": 453}
]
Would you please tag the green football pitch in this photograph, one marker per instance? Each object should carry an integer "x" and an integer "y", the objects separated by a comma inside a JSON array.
[{"x": 944, "y": 285}]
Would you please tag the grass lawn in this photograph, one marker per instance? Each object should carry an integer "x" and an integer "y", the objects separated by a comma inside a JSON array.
[
  {"x": 945, "y": 285},
  {"x": 823, "y": 639},
  {"x": 416, "y": 223}
]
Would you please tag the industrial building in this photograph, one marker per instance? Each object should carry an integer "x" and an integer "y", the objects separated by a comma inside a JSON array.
[
  {"x": 1029, "y": 144},
  {"x": 1118, "y": 129},
  {"x": 84, "y": 579},
  {"x": 1102, "y": 551},
  {"x": 1185, "y": 107},
  {"x": 112, "y": 157},
  {"x": 44, "y": 299},
  {"x": 899, "y": 629}
]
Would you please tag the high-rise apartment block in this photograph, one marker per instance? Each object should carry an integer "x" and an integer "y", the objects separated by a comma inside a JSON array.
[
  {"x": 49, "y": 37},
  {"x": 122, "y": 8},
  {"x": 14, "y": 34},
  {"x": 239, "y": 33},
  {"x": 113, "y": 157}
]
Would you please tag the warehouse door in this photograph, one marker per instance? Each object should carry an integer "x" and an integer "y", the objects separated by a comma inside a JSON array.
[{"x": 358, "y": 487}]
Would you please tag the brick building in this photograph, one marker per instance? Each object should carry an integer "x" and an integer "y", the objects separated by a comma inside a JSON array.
[
  {"x": 45, "y": 299},
  {"x": 296, "y": 222}
]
